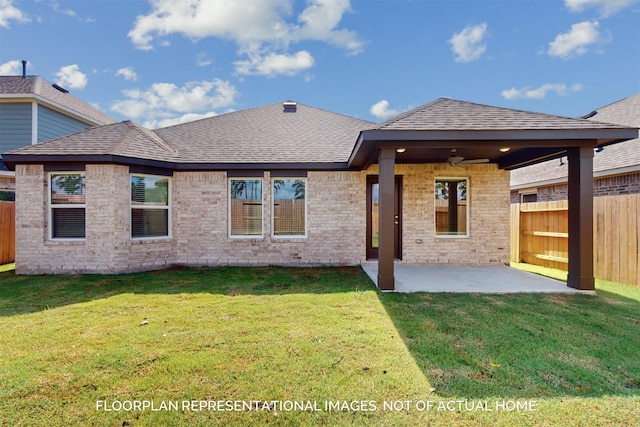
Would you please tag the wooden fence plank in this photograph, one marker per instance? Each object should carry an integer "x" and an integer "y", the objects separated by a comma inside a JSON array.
[
  {"x": 541, "y": 232},
  {"x": 7, "y": 232}
]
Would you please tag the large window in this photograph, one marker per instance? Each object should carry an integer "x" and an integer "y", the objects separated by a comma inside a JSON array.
[
  {"x": 149, "y": 206},
  {"x": 245, "y": 207},
  {"x": 289, "y": 207},
  {"x": 67, "y": 203},
  {"x": 451, "y": 207}
]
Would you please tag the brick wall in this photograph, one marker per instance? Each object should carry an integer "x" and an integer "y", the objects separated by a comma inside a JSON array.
[
  {"x": 335, "y": 227},
  {"x": 107, "y": 247},
  {"x": 488, "y": 193},
  {"x": 336, "y": 230}
]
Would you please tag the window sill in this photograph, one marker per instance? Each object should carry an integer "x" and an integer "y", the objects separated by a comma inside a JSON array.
[
  {"x": 445, "y": 238},
  {"x": 65, "y": 242},
  {"x": 145, "y": 240}
]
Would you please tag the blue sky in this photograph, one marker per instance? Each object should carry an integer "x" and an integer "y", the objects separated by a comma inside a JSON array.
[{"x": 162, "y": 62}]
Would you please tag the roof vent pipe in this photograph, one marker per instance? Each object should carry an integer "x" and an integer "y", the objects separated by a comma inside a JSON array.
[
  {"x": 24, "y": 69},
  {"x": 289, "y": 106}
]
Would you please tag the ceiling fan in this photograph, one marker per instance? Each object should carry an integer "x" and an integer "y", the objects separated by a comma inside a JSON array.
[{"x": 454, "y": 160}]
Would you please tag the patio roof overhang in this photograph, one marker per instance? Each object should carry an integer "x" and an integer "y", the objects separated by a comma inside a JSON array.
[{"x": 525, "y": 146}]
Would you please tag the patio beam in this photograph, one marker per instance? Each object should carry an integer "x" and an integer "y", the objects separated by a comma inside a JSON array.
[
  {"x": 386, "y": 187},
  {"x": 580, "y": 274}
]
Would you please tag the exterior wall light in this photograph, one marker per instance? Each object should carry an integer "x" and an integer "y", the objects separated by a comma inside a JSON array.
[{"x": 400, "y": 150}]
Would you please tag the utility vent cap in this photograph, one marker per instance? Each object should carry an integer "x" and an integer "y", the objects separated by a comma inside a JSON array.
[{"x": 289, "y": 106}]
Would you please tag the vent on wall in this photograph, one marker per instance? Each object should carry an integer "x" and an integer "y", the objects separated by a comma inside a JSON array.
[{"x": 289, "y": 106}]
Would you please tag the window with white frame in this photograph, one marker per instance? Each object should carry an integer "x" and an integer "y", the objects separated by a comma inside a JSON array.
[
  {"x": 245, "y": 207},
  {"x": 149, "y": 206},
  {"x": 452, "y": 207},
  {"x": 67, "y": 205},
  {"x": 289, "y": 207}
]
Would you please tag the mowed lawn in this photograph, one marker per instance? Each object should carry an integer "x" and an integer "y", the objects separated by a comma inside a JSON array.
[{"x": 309, "y": 346}]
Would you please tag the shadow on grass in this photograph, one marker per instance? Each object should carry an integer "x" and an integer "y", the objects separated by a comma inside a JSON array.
[
  {"x": 27, "y": 294},
  {"x": 471, "y": 346},
  {"x": 521, "y": 346}
]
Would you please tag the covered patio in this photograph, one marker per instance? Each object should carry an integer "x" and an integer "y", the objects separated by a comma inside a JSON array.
[
  {"x": 484, "y": 279},
  {"x": 447, "y": 130}
]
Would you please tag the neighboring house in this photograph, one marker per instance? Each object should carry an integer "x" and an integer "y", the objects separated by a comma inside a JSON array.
[
  {"x": 33, "y": 110},
  {"x": 616, "y": 169},
  {"x": 291, "y": 184}
]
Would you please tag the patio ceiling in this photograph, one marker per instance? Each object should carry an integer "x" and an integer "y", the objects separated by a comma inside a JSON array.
[{"x": 524, "y": 147}]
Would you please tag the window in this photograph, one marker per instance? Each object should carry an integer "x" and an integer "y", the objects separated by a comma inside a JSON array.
[
  {"x": 528, "y": 197},
  {"x": 67, "y": 206},
  {"x": 289, "y": 207},
  {"x": 452, "y": 209},
  {"x": 245, "y": 207},
  {"x": 149, "y": 206}
]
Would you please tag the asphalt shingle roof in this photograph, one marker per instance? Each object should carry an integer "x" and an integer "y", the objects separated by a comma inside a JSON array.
[
  {"x": 37, "y": 86},
  {"x": 258, "y": 135},
  {"x": 119, "y": 139},
  {"x": 267, "y": 135},
  {"x": 616, "y": 156},
  {"x": 451, "y": 114}
]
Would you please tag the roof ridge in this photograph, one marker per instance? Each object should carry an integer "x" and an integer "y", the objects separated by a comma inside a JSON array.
[
  {"x": 407, "y": 113},
  {"x": 152, "y": 136}
]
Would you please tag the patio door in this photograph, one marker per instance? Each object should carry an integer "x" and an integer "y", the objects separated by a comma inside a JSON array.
[{"x": 372, "y": 217}]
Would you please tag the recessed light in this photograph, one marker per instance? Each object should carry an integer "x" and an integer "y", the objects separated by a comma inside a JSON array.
[
  {"x": 400, "y": 150},
  {"x": 504, "y": 149}
]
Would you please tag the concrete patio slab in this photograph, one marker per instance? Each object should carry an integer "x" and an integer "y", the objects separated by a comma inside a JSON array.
[{"x": 487, "y": 279}]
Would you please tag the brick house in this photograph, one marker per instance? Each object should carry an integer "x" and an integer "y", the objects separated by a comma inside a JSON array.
[
  {"x": 291, "y": 184},
  {"x": 33, "y": 110},
  {"x": 616, "y": 169}
]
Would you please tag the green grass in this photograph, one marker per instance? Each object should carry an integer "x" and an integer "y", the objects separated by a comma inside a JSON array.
[{"x": 306, "y": 335}]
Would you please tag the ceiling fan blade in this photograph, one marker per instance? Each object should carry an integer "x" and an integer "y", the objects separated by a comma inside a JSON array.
[
  {"x": 455, "y": 159},
  {"x": 474, "y": 161}
]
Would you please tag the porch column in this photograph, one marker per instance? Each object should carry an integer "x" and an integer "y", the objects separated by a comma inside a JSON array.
[
  {"x": 581, "y": 218},
  {"x": 386, "y": 187}
]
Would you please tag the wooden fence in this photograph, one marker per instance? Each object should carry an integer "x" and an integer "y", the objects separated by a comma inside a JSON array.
[
  {"x": 7, "y": 232},
  {"x": 539, "y": 235}
]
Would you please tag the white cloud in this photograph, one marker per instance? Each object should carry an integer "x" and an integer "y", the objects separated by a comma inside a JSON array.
[
  {"x": 273, "y": 64},
  {"x": 202, "y": 60},
  {"x": 606, "y": 7},
  {"x": 560, "y": 89},
  {"x": 12, "y": 68},
  {"x": 165, "y": 101},
  {"x": 9, "y": 12},
  {"x": 467, "y": 44},
  {"x": 71, "y": 77},
  {"x": 128, "y": 73},
  {"x": 259, "y": 28},
  {"x": 576, "y": 41},
  {"x": 69, "y": 12},
  {"x": 382, "y": 111}
]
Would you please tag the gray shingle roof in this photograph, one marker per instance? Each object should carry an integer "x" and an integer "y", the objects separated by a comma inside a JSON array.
[
  {"x": 451, "y": 114},
  {"x": 614, "y": 157},
  {"x": 267, "y": 135},
  {"x": 30, "y": 86},
  {"x": 258, "y": 135},
  {"x": 119, "y": 139}
]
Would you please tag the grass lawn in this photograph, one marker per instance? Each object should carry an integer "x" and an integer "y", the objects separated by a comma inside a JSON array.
[{"x": 324, "y": 338}]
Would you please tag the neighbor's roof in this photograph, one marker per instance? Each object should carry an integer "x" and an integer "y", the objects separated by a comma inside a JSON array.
[
  {"x": 13, "y": 87},
  {"x": 614, "y": 159},
  {"x": 263, "y": 135}
]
